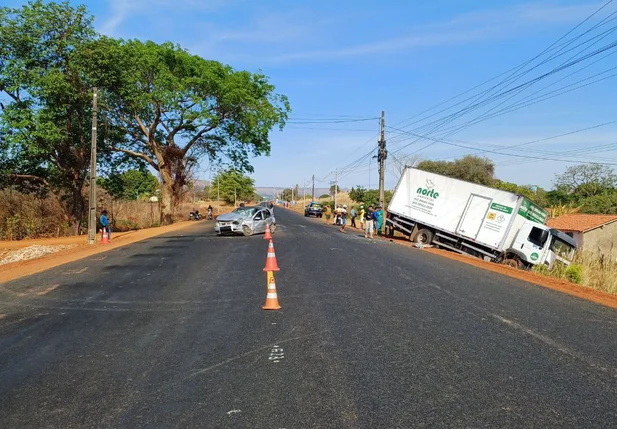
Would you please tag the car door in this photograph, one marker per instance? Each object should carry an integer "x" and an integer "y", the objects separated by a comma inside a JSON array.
[{"x": 259, "y": 222}]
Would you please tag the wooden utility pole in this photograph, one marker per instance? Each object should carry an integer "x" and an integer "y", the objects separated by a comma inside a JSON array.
[
  {"x": 92, "y": 196},
  {"x": 335, "y": 186},
  {"x": 381, "y": 158},
  {"x": 313, "y": 192}
]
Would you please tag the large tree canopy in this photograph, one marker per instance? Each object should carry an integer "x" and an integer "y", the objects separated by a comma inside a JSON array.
[
  {"x": 175, "y": 108},
  {"x": 45, "y": 116}
]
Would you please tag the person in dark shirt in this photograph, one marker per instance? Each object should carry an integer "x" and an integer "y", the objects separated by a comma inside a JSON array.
[
  {"x": 369, "y": 218},
  {"x": 105, "y": 223}
]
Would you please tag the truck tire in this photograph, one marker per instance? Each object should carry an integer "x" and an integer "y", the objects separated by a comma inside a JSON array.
[
  {"x": 515, "y": 262},
  {"x": 424, "y": 236}
]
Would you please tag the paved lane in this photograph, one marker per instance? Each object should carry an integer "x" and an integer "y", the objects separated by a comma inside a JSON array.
[{"x": 169, "y": 333}]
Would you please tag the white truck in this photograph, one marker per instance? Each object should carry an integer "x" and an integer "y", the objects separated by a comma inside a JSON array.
[{"x": 468, "y": 218}]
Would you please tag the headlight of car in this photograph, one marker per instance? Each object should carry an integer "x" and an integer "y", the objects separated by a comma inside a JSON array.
[{"x": 235, "y": 222}]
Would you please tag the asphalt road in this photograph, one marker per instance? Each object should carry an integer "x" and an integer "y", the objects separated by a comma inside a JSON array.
[{"x": 169, "y": 333}]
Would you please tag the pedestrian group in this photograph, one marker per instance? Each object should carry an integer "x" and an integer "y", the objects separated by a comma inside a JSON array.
[{"x": 370, "y": 219}]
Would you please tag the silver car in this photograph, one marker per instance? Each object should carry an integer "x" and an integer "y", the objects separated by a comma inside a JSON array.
[{"x": 245, "y": 220}]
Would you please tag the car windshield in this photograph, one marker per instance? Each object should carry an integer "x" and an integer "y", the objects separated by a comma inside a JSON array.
[
  {"x": 315, "y": 206},
  {"x": 245, "y": 211},
  {"x": 562, "y": 249}
]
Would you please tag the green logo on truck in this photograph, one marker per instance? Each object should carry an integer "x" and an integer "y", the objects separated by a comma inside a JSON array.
[
  {"x": 534, "y": 256},
  {"x": 429, "y": 191}
]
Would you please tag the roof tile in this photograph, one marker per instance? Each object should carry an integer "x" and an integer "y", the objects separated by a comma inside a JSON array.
[{"x": 580, "y": 222}]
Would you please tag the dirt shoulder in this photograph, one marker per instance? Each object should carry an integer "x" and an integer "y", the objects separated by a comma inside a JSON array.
[{"x": 80, "y": 250}]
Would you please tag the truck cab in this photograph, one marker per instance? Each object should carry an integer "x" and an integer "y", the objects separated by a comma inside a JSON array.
[{"x": 538, "y": 244}]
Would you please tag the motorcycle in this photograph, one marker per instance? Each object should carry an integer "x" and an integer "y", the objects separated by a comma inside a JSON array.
[{"x": 194, "y": 215}]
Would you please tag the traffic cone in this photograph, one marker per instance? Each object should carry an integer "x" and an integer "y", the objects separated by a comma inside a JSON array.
[
  {"x": 272, "y": 300},
  {"x": 271, "y": 264},
  {"x": 268, "y": 234},
  {"x": 105, "y": 237}
]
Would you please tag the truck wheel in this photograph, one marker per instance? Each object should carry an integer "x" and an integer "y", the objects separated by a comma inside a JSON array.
[
  {"x": 247, "y": 231},
  {"x": 424, "y": 236},
  {"x": 515, "y": 263}
]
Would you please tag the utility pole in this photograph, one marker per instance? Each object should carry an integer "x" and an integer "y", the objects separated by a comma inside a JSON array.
[
  {"x": 92, "y": 197},
  {"x": 313, "y": 194},
  {"x": 370, "y": 161},
  {"x": 218, "y": 194},
  {"x": 381, "y": 158},
  {"x": 335, "y": 186},
  {"x": 235, "y": 197}
]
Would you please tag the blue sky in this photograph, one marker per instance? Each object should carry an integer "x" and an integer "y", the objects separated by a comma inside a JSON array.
[{"x": 353, "y": 59}]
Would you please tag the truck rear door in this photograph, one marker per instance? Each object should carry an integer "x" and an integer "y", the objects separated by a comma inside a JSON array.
[{"x": 473, "y": 216}]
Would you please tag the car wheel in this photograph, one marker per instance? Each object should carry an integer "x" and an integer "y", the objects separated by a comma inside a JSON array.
[
  {"x": 247, "y": 231},
  {"x": 272, "y": 228}
]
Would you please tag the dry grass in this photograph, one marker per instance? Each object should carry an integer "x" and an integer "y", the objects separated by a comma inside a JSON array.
[
  {"x": 599, "y": 271},
  {"x": 24, "y": 216},
  {"x": 27, "y": 216}
]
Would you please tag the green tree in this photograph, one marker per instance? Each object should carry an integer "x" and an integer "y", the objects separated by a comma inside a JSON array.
[
  {"x": 539, "y": 196},
  {"x": 600, "y": 204},
  {"x": 470, "y": 168},
  {"x": 175, "y": 108},
  {"x": 587, "y": 180},
  {"x": 130, "y": 185},
  {"x": 285, "y": 194},
  {"x": 334, "y": 189},
  {"x": 45, "y": 116},
  {"x": 234, "y": 186},
  {"x": 357, "y": 194}
]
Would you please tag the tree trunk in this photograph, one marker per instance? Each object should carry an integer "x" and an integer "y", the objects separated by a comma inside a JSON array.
[
  {"x": 167, "y": 203},
  {"x": 78, "y": 205}
]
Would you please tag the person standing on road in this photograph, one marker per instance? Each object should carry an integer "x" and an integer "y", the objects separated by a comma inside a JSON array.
[
  {"x": 327, "y": 214},
  {"x": 343, "y": 218},
  {"x": 370, "y": 223},
  {"x": 353, "y": 217},
  {"x": 105, "y": 224},
  {"x": 337, "y": 215},
  {"x": 361, "y": 214},
  {"x": 379, "y": 219}
]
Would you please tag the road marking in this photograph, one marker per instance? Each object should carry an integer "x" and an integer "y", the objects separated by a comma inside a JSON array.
[
  {"x": 230, "y": 412},
  {"x": 83, "y": 270},
  {"x": 550, "y": 342},
  {"x": 276, "y": 354},
  {"x": 240, "y": 356},
  {"x": 46, "y": 291},
  {"x": 102, "y": 258}
]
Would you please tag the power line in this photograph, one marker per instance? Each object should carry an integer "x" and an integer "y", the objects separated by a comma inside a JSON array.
[
  {"x": 450, "y": 143},
  {"x": 514, "y": 69}
]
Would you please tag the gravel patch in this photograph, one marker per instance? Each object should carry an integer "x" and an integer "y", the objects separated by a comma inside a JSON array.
[{"x": 30, "y": 252}]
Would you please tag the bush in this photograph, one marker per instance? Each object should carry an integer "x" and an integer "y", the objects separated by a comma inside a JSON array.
[
  {"x": 574, "y": 273},
  {"x": 541, "y": 269}
]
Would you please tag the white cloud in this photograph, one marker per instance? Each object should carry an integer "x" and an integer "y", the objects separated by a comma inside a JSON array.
[
  {"x": 466, "y": 28},
  {"x": 121, "y": 9}
]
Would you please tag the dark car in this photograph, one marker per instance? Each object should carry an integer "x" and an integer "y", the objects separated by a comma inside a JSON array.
[{"x": 313, "y": 209}]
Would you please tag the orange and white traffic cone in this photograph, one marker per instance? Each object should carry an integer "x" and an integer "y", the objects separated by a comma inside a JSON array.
[
  {"x": 268, "y": 234},
  {"x": 105, "y": 237},
  {"x": 271, "y": 264},
  {"x": 272, "y": 300}
]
